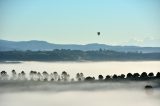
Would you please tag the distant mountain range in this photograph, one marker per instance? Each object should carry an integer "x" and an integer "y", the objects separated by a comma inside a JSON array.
[{"x": 35, "y": 45}]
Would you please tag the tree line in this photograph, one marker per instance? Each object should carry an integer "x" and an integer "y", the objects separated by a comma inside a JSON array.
[
  {"x": 75, "y": 55},
  {"x": 64, "y": 76}
]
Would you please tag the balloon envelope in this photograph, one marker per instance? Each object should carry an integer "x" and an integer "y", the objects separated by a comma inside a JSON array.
[{"x": 98, "y": 33}]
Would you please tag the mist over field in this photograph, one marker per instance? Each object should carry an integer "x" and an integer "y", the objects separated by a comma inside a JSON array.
[
  {"x": 78, "y": 93},
  {"x": 79, "y": 52},
  {"x": 35, "y": 86}
]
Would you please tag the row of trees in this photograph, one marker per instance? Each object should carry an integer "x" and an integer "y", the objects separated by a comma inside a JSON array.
[
  {"x": 64, "y": 76},
  {"x": 130, "y": 76},
  {"x": 37, "y": 76},
  {"x": 72, "y": 55}
]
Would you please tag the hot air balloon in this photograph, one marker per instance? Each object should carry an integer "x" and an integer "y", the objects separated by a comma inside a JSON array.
[{"x": 98, "y": 33}]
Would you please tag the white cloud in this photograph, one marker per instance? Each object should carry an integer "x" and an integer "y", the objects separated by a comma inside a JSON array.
[{"x": 147, "y": 41}]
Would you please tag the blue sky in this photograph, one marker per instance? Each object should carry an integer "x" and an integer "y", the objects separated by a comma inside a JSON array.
[{"x": 121, "y": 22}]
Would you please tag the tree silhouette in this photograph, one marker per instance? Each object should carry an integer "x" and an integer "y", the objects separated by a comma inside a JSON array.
[
  {"x": 45, "y": 76},
  {"x": 14, "y": 75},
  {"x": 144, "y": 76},
  {"x": 55, "y": 76},
  {"x": 100, "y": 77},
  {"x": 151, "y": 74},
  {"x": 52, "y": 79},
  {"x": 136, "y": 76},
  {"x": 108, "y": 77},
  {"x": 79, "y": 76},
  {"x": 89, "y": 78},
  {"x": 122, "y": 76},
  {"x": 31, "y": 75},
  {"x": 65, "y": 76},
  {"x": 129, "y": 76},
  {"x": 158, "y": 75},
  {"x": 22, "y": 75},
  {"x": 4, "y": 75},
  {"x": 35, "y": 76},
  {"x": 39, "y": 76},
  {"x": 114, "y": 76}
]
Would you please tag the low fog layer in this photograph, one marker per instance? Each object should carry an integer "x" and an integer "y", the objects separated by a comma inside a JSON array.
[
  {"x": 87, "y": 68},
  {"x": 20, "y": 86}
]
